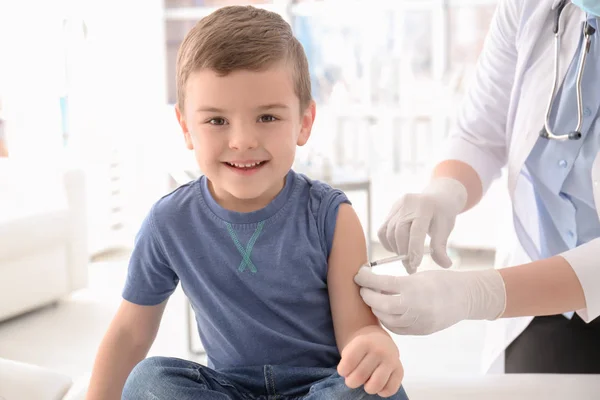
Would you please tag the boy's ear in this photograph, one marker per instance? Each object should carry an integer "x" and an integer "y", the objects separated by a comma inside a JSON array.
[
  {"x": 308, "y": 118},
  {"x": 184, "y": 128}
]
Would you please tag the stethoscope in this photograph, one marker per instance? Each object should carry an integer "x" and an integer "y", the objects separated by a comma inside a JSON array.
[{"x": 588, "y": 31}]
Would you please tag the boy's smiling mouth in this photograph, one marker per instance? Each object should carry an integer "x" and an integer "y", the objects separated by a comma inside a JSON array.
[{"x": 245, "y": 166}]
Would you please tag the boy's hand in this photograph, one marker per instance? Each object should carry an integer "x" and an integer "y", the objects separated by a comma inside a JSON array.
[{"x": 371, "y": 359}]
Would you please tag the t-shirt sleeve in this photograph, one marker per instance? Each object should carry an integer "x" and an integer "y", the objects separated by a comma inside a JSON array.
[
  {"x": 329, "y": 210},
  {"x": 150, "y": 278}
]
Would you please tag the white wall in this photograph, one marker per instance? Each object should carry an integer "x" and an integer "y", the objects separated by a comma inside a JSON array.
[
  {"x": 30, "y": 75},
  {"x": 116, "y": 93},
  {"x": 124, "y": 93}
]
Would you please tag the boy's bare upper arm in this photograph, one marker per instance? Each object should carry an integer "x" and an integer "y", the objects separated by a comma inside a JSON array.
[
  {"x": 139, "y": 323},
  {"x": 348, "y": 253}
]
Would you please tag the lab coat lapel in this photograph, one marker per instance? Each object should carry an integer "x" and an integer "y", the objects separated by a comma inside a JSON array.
[
  {"x": 556, "y": 3},
  {"x": 526, "y": 133}
]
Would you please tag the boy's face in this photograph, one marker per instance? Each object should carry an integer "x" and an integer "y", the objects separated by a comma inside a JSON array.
[{"x": 244, "y": 128}]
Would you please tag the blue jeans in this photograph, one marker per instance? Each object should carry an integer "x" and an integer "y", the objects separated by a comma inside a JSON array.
[{"x": 159, "y": 378}]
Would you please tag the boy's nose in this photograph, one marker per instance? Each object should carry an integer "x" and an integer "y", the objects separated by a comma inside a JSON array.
[{"x": 242, "y": 139}]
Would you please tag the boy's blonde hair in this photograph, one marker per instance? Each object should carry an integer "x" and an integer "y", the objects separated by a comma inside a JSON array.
[{"x": 242, "y": 38}]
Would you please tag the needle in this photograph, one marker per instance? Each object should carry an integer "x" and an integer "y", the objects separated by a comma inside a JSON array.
[{"x": 393, "y": 259}]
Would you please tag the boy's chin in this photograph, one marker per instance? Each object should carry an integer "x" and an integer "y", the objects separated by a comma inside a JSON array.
[
  {"x": 256, "y": 192},
  {"x": 249, "y": 194}
]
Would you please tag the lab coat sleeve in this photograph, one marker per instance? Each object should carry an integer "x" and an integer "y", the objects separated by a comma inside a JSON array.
[
  {"x": 479, "y": 136},
  {"x": 584, "y": 260}
]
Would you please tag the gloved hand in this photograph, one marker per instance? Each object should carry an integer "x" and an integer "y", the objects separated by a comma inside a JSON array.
[
  {"x": 414, "y": 216},
  {"x": 430, "y": 301}
]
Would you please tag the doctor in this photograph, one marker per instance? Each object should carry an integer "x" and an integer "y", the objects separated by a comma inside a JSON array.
[{"x": 551, "y": 148}]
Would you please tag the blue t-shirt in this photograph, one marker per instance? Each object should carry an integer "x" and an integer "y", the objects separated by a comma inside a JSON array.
[{"x": 257, "y": 281}]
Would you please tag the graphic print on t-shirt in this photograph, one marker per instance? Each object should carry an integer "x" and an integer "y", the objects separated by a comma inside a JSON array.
[{"x": 246, "y": 252}]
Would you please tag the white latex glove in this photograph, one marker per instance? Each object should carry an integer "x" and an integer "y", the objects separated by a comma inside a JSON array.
[
  {"x": 430, "y": 301},
  {"x": 414, "y": 216}
]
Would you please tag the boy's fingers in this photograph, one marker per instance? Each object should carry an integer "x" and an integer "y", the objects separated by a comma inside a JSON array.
[
  {"x": 352, "y": 355},
  {"x": 363, "y": 371},
  {"x": 393, "y": 383},
  {"x": 378, "y": 379}
]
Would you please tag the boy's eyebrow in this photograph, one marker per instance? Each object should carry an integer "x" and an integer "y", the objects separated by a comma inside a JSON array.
[
  {"x": 259, "y": 108},
  {"x": 272, "y": 106},
  {"x": 209, "y": 109}
]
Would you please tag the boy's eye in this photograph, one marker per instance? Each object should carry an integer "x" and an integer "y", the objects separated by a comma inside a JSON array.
[
  {"x": 267, "y": 118},
  {"x": 217, "y": 121}
]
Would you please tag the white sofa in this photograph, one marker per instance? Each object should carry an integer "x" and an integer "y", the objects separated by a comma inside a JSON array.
[
  {"x": 19, "y": 381},
  {"x": 43, "y": 245}
]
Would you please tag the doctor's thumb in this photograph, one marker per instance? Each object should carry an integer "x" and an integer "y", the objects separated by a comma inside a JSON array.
[
  {"x": 439, "y": 254},
  {"x": 440, "y": 231},
  {"x": 380, "y": 283}
]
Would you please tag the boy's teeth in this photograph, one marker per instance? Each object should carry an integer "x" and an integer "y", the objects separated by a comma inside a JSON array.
[{"x": 245, "y": 165}]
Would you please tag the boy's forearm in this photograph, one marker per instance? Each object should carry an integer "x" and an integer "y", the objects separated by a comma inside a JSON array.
[
  {"x": 369, "y": 328},
  {"x": 116, "y": 358}
]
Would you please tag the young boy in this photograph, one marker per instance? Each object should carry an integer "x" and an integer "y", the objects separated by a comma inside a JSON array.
[{"x": 266, "y": 256}]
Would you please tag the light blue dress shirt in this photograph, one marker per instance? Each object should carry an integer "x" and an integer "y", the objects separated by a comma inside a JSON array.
[{"x": 561, "y": 171}]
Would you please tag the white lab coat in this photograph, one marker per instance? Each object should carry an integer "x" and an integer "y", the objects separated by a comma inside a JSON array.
[{"x": 499, "y": 123}]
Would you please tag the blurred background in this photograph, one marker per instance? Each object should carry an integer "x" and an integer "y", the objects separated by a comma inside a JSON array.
[{"x": 89, "y": 86}]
